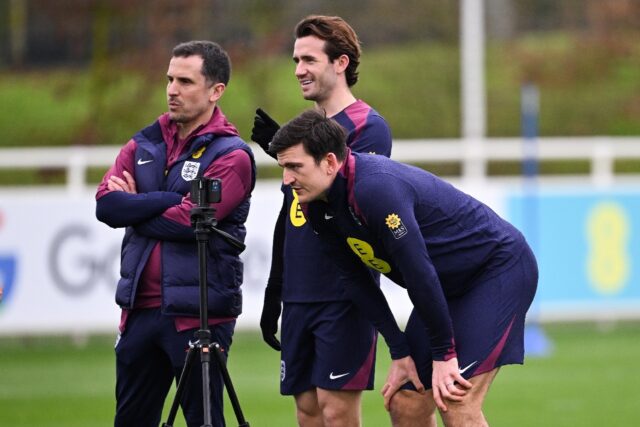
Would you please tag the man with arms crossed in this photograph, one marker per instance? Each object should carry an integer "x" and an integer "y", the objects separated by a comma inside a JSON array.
[
  {"x": 470, "y": 274},
  {"x": 328, "y": 346},
  {"x": 147, "y": 191}
]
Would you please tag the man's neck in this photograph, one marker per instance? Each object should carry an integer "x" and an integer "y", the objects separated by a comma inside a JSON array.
[
  {"x": 337, "y": 102},
  {"x": 185, "y": 129}
]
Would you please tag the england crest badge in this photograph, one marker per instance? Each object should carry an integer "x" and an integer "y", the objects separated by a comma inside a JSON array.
[{"x": 190, "y": 170}]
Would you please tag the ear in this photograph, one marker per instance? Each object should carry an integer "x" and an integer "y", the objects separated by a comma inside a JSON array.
[
  {"x": 332, "y": 164},
  {"x": 341, "y": 64},
  {"x": 216, "y": 92}
]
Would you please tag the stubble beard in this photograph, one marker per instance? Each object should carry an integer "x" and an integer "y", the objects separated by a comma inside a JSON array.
[{"x": 177, "y": 117}]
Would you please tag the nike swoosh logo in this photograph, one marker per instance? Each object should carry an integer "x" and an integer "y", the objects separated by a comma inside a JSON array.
[
  {"x": 327, "y": 216},
  {"x": 144, "y": 162},
  {"x": 466, "y": 368},
  {"x": 335, "y": 377}
]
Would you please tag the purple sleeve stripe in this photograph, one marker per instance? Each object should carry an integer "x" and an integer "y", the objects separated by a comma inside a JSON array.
[{"x": 358, "y": 113}]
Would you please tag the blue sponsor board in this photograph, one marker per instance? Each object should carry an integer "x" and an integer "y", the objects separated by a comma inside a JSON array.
[
  {"x": 587, "y": 244},
  {"x": 7, "y": 276}
]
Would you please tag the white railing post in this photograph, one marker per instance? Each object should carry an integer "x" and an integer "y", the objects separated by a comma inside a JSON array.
[
  {"x": 474, "y": 166},
  {"x": 602, "y": 164},
  {"x": 76, "y": 172},
  {"x": 472, "y": 88}
]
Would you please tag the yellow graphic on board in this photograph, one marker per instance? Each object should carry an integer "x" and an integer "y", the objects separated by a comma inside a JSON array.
[{"x": 608, "y": 257}]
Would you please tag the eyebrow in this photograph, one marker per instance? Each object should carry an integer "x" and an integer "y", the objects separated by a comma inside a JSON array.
[
  {"x": 181, "y": 79},
  {"x": 289, "y": 164},
  {"x": 304, "y": 58}
]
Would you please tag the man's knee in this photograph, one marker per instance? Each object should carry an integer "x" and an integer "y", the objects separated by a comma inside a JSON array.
[
  {"x": 307, "y": 410},
  {"x": 308, "y": 418},
  {"x": 340, "y": 408},
  {"x": 468, "y": 412},
  {"x": 337, "y": 415},
  {"x": 412, "y": 409},
  {"x": 460, "y": 414}
]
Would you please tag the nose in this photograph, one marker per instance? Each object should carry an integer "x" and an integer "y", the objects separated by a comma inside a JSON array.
[
  {"x": 172, "y": 88},
  {"x": 287, "y": 177},
  {"x": 301, "y": 70}
]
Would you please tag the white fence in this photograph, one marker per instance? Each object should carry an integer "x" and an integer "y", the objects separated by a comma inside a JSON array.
[
  {"x": 474, "y": 155},
  {"x": 59, "y": 265}
]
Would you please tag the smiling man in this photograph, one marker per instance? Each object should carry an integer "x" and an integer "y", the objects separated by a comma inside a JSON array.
[
  {"x": 469, "y": 273},
  {"x": 146, "y": 191},
  {"x": 328, "y": 347}
]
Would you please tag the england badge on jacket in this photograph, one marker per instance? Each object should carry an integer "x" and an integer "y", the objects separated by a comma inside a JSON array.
[{"x": 190, "y": 170}]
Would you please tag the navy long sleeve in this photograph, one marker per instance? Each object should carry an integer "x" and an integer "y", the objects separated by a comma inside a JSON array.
[
  {"x": 277, "y": 250},
  {"x": 122, "y": 209},
  {"x": 413, "y": 267}
]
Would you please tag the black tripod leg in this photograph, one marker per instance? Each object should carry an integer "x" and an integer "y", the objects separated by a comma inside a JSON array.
[
  {"x": 233, "y": 398},
  {"x": 184, "y": 377},
  {"x": 205, "y": 359}
]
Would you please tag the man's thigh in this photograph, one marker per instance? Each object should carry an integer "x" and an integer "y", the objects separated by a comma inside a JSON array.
[{"x": 143, "y": 371}]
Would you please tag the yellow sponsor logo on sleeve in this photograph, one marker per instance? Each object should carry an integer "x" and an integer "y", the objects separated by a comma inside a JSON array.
[
  {"x": 295, "y": 212},
  {"x": 365, "y": 253}
]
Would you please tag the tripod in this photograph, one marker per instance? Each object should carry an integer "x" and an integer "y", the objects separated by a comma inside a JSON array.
[{"x": 205, "y": 191}]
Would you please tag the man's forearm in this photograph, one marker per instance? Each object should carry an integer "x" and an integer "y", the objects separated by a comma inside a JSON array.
[{"x": 121, "y": 209}]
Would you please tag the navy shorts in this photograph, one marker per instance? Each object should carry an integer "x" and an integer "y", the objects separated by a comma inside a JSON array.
[
  {"x": 150, "y": 354},
  {"x": 488, "y": 322},
  {"x": 329, "y": 345}
]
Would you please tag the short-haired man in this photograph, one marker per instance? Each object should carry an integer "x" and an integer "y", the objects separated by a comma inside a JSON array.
[
  {"x": 328, "y": 347},
  {"x": 147, "y": 191},
  {"x": 469, "y": 273}
]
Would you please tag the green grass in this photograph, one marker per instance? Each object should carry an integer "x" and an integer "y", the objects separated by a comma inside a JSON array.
[{"x": 589, "y": 380}]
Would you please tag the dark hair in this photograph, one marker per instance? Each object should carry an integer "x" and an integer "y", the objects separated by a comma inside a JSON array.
[
  {"x": 339, "y": 38},
  {"x": 319, "y": 135},
  {"x": 216, "y": 65}
]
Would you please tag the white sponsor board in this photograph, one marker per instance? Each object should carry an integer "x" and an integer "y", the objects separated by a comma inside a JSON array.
[{"x": 59, "y": 265}]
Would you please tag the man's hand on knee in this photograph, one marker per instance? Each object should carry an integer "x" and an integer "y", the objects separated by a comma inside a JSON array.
[{"x": 401, "y": 371}]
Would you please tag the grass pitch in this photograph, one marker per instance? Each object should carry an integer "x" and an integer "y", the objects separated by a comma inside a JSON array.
[{"x": 588, "y": 380}]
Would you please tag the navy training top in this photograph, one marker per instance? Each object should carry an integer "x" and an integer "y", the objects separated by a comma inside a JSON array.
[{"x": 420, "y": 231}]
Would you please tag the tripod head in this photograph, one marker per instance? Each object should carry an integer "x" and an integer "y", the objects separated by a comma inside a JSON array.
[{"x": 204, "y": 192}]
